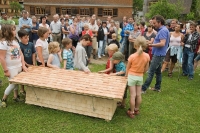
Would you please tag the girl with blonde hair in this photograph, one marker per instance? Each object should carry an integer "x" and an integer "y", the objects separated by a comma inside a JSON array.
[{"x": 138, "y": 64}]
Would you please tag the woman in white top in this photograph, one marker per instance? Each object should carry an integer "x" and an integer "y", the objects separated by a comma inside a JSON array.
[
  {"x": 43, "y": 23},
  {"x": 175, "y": 44}
]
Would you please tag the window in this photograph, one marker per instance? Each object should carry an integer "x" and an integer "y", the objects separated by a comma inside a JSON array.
[
  {"x": 63, "y": 11},
  {"x": 74, "y": 11},
  {"x": 40, "y": 10},
  {"x": 84, "y": 11},
  {"x": 69, "y": 12},
  {"x": 57, "y": 10},
  {"x": 47, "y": 11},
  {"x": 32, "y": 10},
  {"x": 104, "y": 12}
]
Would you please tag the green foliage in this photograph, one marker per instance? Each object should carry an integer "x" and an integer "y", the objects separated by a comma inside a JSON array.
[
  {"x": 137, "y": 6},
  {"x": 15, "y": 6},
  {"x": 190, "y": 16},
  {"x": 195, "y": 8},
  {"x": 166, "y": 9}
]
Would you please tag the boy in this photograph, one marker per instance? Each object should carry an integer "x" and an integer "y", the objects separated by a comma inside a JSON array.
[
  {"x": 68, "y": 56},
  {"x": 114, "y": 40},
  {"x": 27, "y": 48},
  {"x": 120, "y": 68},
  {"x": 28, "y": 51}
]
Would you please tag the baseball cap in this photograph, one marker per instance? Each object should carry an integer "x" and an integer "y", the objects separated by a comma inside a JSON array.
[{"x": 117, "y": 56}]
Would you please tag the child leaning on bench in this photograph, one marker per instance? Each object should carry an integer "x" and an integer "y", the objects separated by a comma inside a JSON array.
[{"x": 120, "y": 68}]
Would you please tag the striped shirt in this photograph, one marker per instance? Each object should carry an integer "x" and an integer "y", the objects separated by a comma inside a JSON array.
[{"x": 68, "y": 55}]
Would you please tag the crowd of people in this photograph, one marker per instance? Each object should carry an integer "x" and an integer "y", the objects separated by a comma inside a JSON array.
[{"x": 147, "y": 47}]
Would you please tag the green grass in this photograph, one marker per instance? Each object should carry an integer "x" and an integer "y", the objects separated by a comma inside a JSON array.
[{"x": 175, "y": 109}]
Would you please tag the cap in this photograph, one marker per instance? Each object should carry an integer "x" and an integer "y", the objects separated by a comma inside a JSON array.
[
  {"x": 117, "y": 56},
  {"x": 2, "y": 13}
]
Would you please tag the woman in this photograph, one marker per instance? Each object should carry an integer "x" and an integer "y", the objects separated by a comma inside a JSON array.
[
  {"x": 119, "y": 30},
  {"x": 88, "y": 48},
  {"x": 62, "y": 25},
  {"x": 112, "y": 29},
  {"x": 35, "y": 27},
  {"x": 149, "y": 36},
  {"x": 133, "y": 35},
  {"x": 175, "y": 43},
  {"x": 65, "y": 29},
  {"x": 43, "y": 23},
  {"x": 73, "y": 32}
]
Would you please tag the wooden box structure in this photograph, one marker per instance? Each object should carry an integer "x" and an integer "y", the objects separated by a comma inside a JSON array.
[{"x": 73, "y": 91}]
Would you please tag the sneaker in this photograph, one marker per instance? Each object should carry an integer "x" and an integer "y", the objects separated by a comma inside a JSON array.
[
  {"x": 17, "y": 99},
  {"x": 103, "y": 54},
  {"x": 99, "y": 57},
  {"x": 3, "y": 103},
  {"x": 184, "y": 74},
  {"x": 190, "y": 78}
]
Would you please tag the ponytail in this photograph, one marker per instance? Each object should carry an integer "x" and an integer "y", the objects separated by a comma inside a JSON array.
[{"x": 140, "y": 50}]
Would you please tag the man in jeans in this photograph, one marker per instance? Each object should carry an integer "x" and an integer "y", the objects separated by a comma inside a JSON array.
[
  {"x": 55, "y": 27},
  {"x": 190, "y": 45},
  {"x": 159, "y": 48}
]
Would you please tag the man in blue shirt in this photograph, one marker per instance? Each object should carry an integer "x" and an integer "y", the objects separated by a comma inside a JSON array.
[
  {"x": 125, "y": 44},
  {"x": 159, "y": 48},
  {"x": 25, "y": 23}
]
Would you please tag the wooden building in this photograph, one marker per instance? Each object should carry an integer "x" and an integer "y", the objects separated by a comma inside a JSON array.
[
  {"x": 5, "y": 6},
  {"x": 102, "y": 8}
]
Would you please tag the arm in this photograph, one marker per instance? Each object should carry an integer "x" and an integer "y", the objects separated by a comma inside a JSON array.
[
  {"x": 3, "y": 62},
  {"x": 108, "y": 69},
  {"x": 50, "y": 61},
  {"x": 33, "y": 58},
  {"x": 64, "y": 64},
  {"x": 39, "y": 52},
  {"x": 71, "y": 29},
  {"x": 23, "y": 62},
  {"x": 160, "y": 44},
  {"x": 60, "y": 57},
  {"x": 146, "y": 67},
  {"x": 127, "y": 68}
]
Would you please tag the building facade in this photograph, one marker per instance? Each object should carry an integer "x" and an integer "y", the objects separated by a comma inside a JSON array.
[
  {"x": 5, "y": 7},
  {"x": 102, "y": 8}
]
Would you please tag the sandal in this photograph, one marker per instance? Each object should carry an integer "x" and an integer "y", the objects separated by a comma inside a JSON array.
[
  {"x": 153, "y": 89},
  {"x": 136, "y": 112},
  {"x": 130, "y": 114},
  {"x": 170, "y": 74},
  {"x": 119, "y": 104}
]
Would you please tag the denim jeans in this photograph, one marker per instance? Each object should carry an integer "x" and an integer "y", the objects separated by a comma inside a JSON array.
[
  {"x": 102, "y": 46},
  {"x": 155, "y": 67},
  {"x": 187, "y": 66},
  {"x": 125, "y": 47}
]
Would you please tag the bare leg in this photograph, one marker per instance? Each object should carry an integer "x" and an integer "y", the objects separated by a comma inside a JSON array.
[
  {"x": 195, "y": 64},
  {"x": 138, "y": 99},
  {"x": 132, "y": 97},
  {"x": 171, "y": 67},
  {"x": 164, "y": 66}
]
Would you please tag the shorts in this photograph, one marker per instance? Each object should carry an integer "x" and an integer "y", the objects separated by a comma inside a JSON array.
[
  {"x": 135, "y": 80},
  {"x": 168, "y": 57},
  {"x": 197, "y": 57},
  {"x": 94, "y": 43}
]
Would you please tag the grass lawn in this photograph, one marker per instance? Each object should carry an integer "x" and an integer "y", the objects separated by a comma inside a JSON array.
[{"x": 175, "y": 109}]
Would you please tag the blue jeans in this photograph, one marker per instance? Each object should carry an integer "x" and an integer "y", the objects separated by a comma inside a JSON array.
[
  {"x": 102, "y": 46},
  {"x": 155, "y": 67},
  {"x": 187, "y": 66}
]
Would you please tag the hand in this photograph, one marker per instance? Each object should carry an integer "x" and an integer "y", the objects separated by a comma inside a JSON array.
[
  {"x": 87, "y": 71},
  {"x": 73, "y": 48},
  {"x": 7, "y": 74},
  {"x": 25, "y": 69},
  {"x": 188, "y": 31}
]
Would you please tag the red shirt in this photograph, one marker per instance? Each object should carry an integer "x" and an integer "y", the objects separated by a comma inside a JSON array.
[
  {"x": 108, "y": 66},
  {"x": 89, "y": 32},
  {"x": 198, "y": 46}
]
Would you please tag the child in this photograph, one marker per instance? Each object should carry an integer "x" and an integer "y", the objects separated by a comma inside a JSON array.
[
  {"x": 27, "y": 48},
  {"x": 80, "y": 60},
  {"x": 55, "y": 58},
  {"x": 120, "y": 68},
  {"x": 28, "y": 51},
  {"x": 11, "y": 59},
  {"x": 138, "y": 64},
  {"x": 68, "y": 55},
  {"x": 114, "y": 40},
  {"x": 42, "y": 47},
  {"x": 112, "y": 48}
]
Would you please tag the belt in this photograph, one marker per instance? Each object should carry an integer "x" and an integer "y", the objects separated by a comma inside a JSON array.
[
  {"x": 187, "y": 45},
  {"x": 56, "y": 33}
]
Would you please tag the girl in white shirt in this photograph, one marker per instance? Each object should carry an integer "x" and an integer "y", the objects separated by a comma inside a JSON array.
[{"x": 11, "y": 59}]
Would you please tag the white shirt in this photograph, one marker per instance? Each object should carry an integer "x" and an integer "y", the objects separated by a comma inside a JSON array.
[
  {"x": 55, "y": 27},
  {"x": 45, "y": 51},
  {"x": 13, "y": 58}
]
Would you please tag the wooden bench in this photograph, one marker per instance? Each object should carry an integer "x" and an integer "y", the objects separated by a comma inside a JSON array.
[{"x": 73, "y": 91}]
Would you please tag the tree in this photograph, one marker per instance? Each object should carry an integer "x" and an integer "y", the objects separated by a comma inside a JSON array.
[
  {"x": 137, "y": 6},
  {"x": 15, "y": 6},
  {"x": 195, "y": 8},
  {"x": 166, "y": 9}
]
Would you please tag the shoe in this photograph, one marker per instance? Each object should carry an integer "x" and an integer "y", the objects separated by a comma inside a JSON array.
[
  {"x": 17, "y": 99},
  {"x": 154, "y": 89},
  {"x": 184, "y": 74},
  {"x": 94, "y": 57},
  {"x": 190, "y": 78},
  {"x": 3, "y": 103},
  {"x": 136, "y": 112},
  {"x": 130, "y": 114},
  {"x": 143, "y": 92},
  {"x": 99, "y": 57},
  {"x": 103, "y": 54}
]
